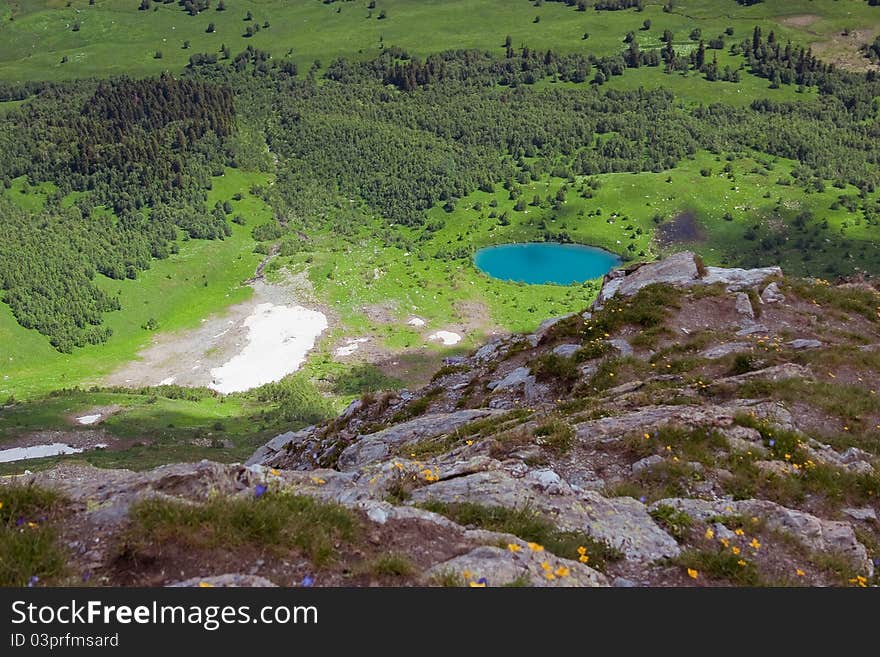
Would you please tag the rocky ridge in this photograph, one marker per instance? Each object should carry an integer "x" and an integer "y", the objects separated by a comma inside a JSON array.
[{"x": 696, "y": 425}]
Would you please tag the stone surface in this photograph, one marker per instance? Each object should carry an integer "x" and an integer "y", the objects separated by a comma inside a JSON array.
[
  {"x": 677, "y": 269},
  {"x": 865, "y": 514},
  {"x": 622, "y": 346},
  {"x": 236, "y": 580},
  {"x": 744, "y": 305},
  {"x": 519, "y": 377},
  {"x": 735, "y": 279},
  {"x": 722, "y": 350},
  {"x": 802, "y": 343},
  {"x": 621, "y": 522},
  {"x": 377, "y": 446},
  {"x": 494, "y": 566},
  {"x": 813, "y": 533},
  {"x": 566, "y": 350},
  {"x": 649, "y": 418},
  {"x": 646, "y": 463},
  {"x": 771, "y": 294}
]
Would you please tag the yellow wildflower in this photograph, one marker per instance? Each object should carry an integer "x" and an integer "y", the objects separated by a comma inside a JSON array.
[
  {"x": 741, "y": 562},
  {"x": 738, "y": 532},
  {"x": 477, "y": 585},
  {"x": 550, "y": 576},
  {"x": 206, "y": 585},
  {"x": 647, "y": 436},
  {"x": 754, "y": 544},
  {"x": 693, "y": 574},
  {"x": 735, "y": 550},
  {"x": 799, "y": 572},
  {"x": 534, "y": 547},
  {"x": 319, "y": 481},
  {"x": 468, "y": 442},
  {"x": 1, "y": 505},
  {"x": 582, "y": 550},
  {"x": 725, "y": 542},
  {"x": 710, "y": 533},
  {"x": 513, "y": 547},
  {"x": 466, "y": 574},
  {"x": 546, "y": 566},
  {"x": 32, "y": 525},
  {"x": 562, "y": 571},
  {"x": 274, "y": 472},
  {"x": 584, "y": 558}
]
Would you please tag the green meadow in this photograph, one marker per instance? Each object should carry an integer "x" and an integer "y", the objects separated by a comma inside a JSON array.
[
  {"x": 60, "y": 39},
  {"x": 204, "y": 278}
]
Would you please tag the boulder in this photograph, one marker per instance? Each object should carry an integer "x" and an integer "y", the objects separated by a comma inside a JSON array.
[
  {"x": 519, "y": 376},
  {"x": 744, "y": 305},
  {"x": 677, "y": 269},
  {"x": 378, "y": 446},
  {"x": 814, "y": 533},
  {"x": 802, "y": 343},
  {"x": 621, "y": 522},
  {"x": 735, "y": 279},
  {"x": 566, "y": 350},
  {"x": 495, "y": 566},
  {"x": 265, "y": 453},
  {"x": 722, "y": 350},
  {"x": 771, "y": 294}
]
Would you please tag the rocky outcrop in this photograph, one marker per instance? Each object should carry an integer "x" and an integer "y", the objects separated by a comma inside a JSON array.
[
  {"x": 493, "y": 566},
  {"x": 623, "y": 523},
  {"x": 377, "y": 446},
  {"x": 816, "y": 534}
]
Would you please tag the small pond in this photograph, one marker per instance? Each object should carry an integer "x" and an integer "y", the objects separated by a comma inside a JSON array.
[{"x": 545, "y": 262}]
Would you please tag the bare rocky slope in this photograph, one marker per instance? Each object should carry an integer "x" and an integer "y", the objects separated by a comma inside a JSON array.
[{"x": 696, "y": 426}]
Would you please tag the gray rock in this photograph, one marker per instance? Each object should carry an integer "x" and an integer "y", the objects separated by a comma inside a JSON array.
[
  {"x": 736, "y": 279},
  {"x": 771, "y": 294},
  {"x": 744, "y": 305},
  {"x": 622, "y": 346},
  {"x": 649, "y": 418},
  {"x": 235, "y": 580},
  {"x": 646, "y": 463},
  {"x": 566, "y": 350},
  {"x": 802, "y": 343},
  {"x": 751, "y": 328},
  {"x": 677, "y": 269},
  {"x": 265, "y": 453},
  {"x": 488, "y": 350},
  {"x": 377, "y": 446},
  {"x": 496, "y": 566},
  {"x": 621, "y": 522},
  {"x": 519, "y": 376},
  {"x": 813, "y": 533},
  {"x": 865, "y": 514},
  {"x": 624, "y": 583},
  {"x": 722, "y": 350},
  {"x": 774, "y": 373}
]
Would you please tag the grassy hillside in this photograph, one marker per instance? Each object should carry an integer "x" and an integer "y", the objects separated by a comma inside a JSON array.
[
  {"x": 113, "y": 37},
  {"x": 205, "y": 277}
]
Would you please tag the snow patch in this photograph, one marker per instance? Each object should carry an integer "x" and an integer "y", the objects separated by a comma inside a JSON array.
[{"x": 279, "y": 338}]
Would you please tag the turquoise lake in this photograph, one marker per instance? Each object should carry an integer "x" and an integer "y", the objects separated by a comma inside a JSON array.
[{"x": 545, "y": 262}]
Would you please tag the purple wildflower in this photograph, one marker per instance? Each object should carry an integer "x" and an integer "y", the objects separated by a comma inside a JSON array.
[
  {"x": 308, "y": 580},
  {"x": 87, "y": 575},
  {"x": 772, "y": 442},
  {"x": 32, "y": 582},
  {"x": 482, "y": 580},
  {"x": 19, "y": 521},
  {"x": 260, "y": 490},
  {"x": 643, "y": 499}
]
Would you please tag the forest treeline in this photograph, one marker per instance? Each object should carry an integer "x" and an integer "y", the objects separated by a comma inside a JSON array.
[
  {"x": 140, "y": 153},
  {"x": 396, "y": 133}
]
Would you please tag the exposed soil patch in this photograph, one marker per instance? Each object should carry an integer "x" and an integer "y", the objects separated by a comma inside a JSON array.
[
  {"x": 843, "y": 50},
  {"x": 801, "y": 20},
  {"x": 683, "y": 229}
]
